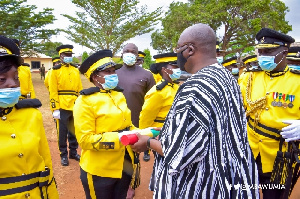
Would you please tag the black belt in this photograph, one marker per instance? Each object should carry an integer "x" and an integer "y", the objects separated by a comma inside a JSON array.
[
  {"x": 126, "y": 129},
  {"x": 18, "y": 184},
  {"x": 67, "y": 92},
  {"x": 263, "y": 129},
  {"x": 159, "y": 121}
]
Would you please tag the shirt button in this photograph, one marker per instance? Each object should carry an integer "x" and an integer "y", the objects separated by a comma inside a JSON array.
[
  {"x": 13, "y": 136},
  {"x": 267, "y": 93},
  {"x": 3, "y": 118},
  {"x": 23, "y": 174},
  {"x": 272, "y": 78},
  {"x": 27, "y": 195},
  {"x": 20, "y": 155},
  {"x": 260, "y": 140},
  {"x": 267, "y": 109}
]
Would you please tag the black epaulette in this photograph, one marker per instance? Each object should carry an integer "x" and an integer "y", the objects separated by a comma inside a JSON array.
[
  {"x": 162, "y": 85},
  {"x": 56, "y": 67},
  {"x": 253, "y": 70},
  {"x": 28, "y": 103},
  {"x": 118, "y": 89},
  {"x": 295, "y": 71},
  {"x": 74, "y": 65},
  {"x": 89, "y": 91}
]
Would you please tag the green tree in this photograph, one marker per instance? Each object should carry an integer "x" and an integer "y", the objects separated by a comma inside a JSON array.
[
  {"x": 147, "y": 59},
  {"x": 85, "y": 55},
  {"x": 107, "y": 24},
  {"x": 49, "y": 48},
  {"x": 241, "y": 20},
  {"x": 20, "y": 21}
]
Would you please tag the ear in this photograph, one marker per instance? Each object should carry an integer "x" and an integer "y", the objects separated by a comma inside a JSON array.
[{"x": 191, "y": 50}]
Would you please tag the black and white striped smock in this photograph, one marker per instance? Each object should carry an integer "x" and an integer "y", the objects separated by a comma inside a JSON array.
[{"x": 204, "y": 141}]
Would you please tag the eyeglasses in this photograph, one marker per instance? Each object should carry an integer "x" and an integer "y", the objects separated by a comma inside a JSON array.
[{"x": 178, "y": 49}]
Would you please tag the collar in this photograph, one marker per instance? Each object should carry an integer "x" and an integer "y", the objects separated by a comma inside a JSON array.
[
  {"x": 276, "y": 74},
  {"x": 5, "y": 111}
]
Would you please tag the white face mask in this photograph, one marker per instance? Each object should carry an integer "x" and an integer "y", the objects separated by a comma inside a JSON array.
[{"x": 129, "y": 59}]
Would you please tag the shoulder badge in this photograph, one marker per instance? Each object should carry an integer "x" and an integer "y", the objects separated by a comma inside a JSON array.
[
  {"x": 89, "y": 91},
  {"x": 162, "y": 85},
  {"x": 56, "y": 67},
  {"x": 28, "y": 103}
]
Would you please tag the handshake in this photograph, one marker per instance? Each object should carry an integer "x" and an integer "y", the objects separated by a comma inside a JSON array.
[{"x": 130, "y": 137}]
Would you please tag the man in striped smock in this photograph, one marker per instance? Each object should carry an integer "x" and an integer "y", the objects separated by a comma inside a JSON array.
[{"x": 203, "y": 150}]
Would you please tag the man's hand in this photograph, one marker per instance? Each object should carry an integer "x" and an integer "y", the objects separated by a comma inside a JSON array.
[
  {"x": 56, "y": 114},
  {"x": 291, "y": 132},
  {"x": 141, "y": 144}
]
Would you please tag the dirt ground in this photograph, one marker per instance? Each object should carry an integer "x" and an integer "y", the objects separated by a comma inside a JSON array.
[{"x": 67, "y": 178}]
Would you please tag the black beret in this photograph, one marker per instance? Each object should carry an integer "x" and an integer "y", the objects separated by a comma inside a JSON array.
[
  {"x": 26, "y": 64},
  {"x": 268, "y": 38},
  {"x": 17, "y": 42},
  {"x": 162, "y": 60},
  {"x": 55, "y": 58},
  {"x": 65, "y": 48},
  {"x": 230, "y": 61},
  {"x": 97, "y": 56},
  {"x": 8, "y": 48},
  {"x": 218, "y": 47},
  {"x": 294, "y": 53},
  {"x": 141, "y": 54},
  {"x": 249, "y": 57}
]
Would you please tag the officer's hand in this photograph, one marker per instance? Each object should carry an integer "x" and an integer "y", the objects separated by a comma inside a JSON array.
[
  {"x": 291, "y": 132},
  {"x": 56, "y": 114},
  {"x": 141, "y": 144}
]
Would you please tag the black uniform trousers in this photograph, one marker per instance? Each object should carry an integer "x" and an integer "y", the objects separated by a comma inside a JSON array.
[
  {"x": 65, "y": 126},
  {"x": 264, "y": 178},
  {"x": 103, "y": 187}
]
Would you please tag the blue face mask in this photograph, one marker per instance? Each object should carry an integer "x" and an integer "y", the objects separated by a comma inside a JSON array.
[
  {"x": 220, "y": 59},
  {"x": 129, "y": 59},
  {"x": 68, "y": 59},
  {"x": 234, "y": 71},
  {"x": 111, "y": 81},
  {"x": 176, "y": 74},
  {"x": 9, "y": 96},
  {"x": 294, "y": 67},
  {"x": 267, "y": 63}
]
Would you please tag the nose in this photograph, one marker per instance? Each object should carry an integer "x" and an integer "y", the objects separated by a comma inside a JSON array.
[{"x": 12, "y": 83}]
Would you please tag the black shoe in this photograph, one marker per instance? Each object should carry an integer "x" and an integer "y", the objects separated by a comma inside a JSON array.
[
  {"x": 75, "y": 157},
  {"x": 146, "y": 157},
  {"x": 64, "y": 161}
]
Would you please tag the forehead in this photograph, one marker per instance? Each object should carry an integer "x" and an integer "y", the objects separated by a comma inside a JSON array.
[{"x": 130, "y": 47}]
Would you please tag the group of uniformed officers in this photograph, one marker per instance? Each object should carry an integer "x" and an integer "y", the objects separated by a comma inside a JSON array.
[{"x": 94, "y": 117}]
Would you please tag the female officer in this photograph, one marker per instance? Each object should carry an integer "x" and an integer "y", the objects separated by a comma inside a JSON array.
[
  {"x": 100, "y": 113},
  {"x": 159, "y": 98},
  {"x": 26, "y": 166}
]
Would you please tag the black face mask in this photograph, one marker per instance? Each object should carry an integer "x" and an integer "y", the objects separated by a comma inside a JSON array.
[{"x": 181, "y": 60}]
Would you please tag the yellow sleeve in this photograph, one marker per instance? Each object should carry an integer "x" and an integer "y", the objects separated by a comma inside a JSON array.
[
  {"x": 46, "y": 81},
  {"x": 31, "y": 89},
  {"x": 53, "y": 90},
  {"x": 151, "y": 108},
  {"x": 45, "y": 153},
  {"x": 85, "y": 128}
]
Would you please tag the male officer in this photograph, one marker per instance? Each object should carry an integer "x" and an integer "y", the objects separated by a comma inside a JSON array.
[
  {"x": 64, "y": 86},
  {"x": 231, "y": 65},
  {"x": 272, "y": 101},
  {"x": 293, "y": 58},
  {"x": 27, "y": 90},
  {"x": 250, "y": 62},
  {"x": 140, "y": 58}
]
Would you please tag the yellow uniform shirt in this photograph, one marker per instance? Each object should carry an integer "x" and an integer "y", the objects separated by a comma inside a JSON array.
[
  {"x": 157, "y": 105},
  {"x": 264, "y": 140},
  {"x": 98, "y": 117},
  {"x": 64, "y": 86},
  {"x": 46, "y": 81},
  {"x": 25, "y": 82},
  {"x": 24, "y": 150}
]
